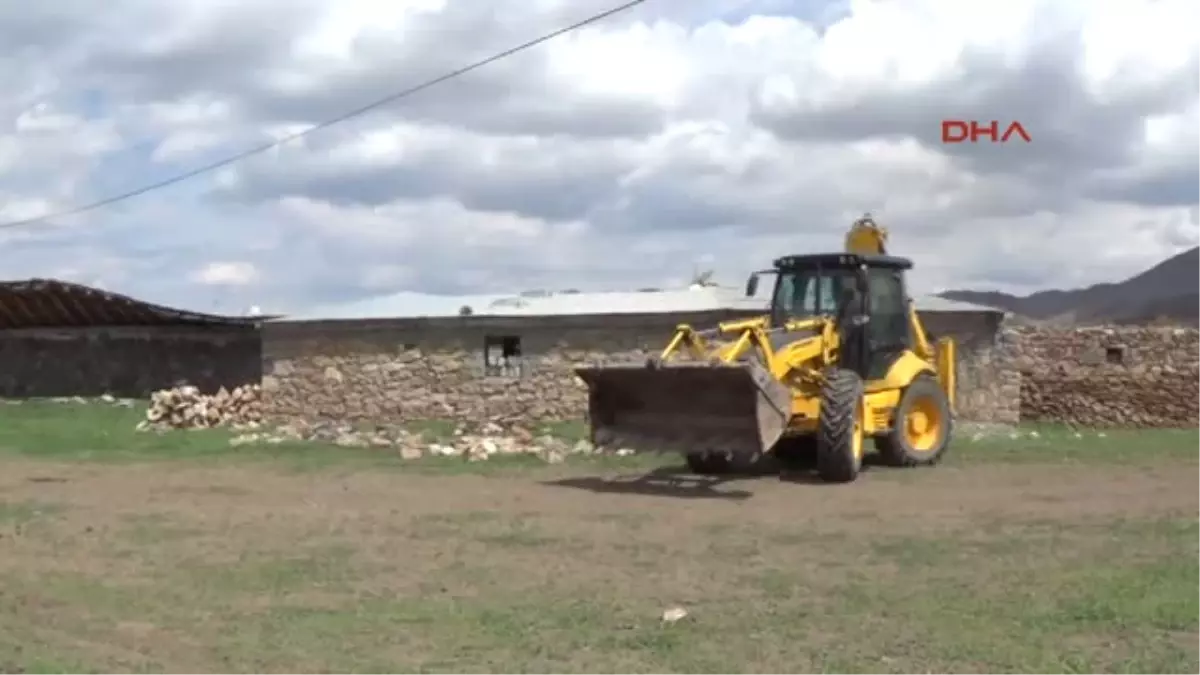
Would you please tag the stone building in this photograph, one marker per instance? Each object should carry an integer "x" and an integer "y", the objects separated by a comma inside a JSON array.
[
  {"x": 63, "y": 339},
  {"x": 418, "y": 357}
]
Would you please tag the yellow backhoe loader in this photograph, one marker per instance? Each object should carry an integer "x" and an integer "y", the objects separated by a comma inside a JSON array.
[{"x": 841, "y": 357}]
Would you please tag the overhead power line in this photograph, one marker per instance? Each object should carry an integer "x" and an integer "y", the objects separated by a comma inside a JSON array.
[{"x": 213, "y": 166}]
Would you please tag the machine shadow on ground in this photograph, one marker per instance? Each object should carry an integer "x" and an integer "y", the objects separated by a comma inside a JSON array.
[{"x": 678, "y": 481}]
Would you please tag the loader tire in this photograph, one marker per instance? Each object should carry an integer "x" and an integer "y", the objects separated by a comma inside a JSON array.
[
  {"x": 839, "y": 429},
  {"x": 922, "y": 426}
]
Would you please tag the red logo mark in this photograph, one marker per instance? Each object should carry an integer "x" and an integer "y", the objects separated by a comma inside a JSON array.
[{"x": 958, "y": 131}]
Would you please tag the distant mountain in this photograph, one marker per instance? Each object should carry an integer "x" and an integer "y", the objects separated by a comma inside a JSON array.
[{"x": 1169, "y": 292}]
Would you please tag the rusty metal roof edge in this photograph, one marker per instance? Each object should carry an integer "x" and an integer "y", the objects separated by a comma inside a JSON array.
[{"x": 162, "y": 312}]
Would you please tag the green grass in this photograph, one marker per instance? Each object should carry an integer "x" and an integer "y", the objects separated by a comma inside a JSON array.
[
  {"x": 1042, "y": 444},
  {"x": 105, "y": 433},
  {"x": 96, "y": 432},
  {"x": 23, "y": 512},
  {"x": 1029, "y": 598}
]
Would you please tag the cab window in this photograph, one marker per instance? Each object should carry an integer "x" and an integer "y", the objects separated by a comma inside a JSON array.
[
  {"x": 802, "y": 293},
  {"x": 819, "y": 288},
  {"x": 889, "y": 308}
]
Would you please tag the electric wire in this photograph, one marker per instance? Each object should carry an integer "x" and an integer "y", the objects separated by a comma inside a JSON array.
[{"x": 357, "y": 112}]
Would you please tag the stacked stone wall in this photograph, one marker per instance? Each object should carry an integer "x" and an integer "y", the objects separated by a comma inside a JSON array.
[
  {"x": 1109, "y": 376},
  {"x": 386, "y": 372}
]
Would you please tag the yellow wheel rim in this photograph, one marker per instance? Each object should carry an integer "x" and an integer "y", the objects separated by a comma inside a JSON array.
[
  {"x": 923, "y": 424},
  {"x": 857, "y": 440}
]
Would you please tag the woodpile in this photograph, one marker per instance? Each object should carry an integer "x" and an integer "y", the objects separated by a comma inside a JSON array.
[{"x": 186, "y": 408}]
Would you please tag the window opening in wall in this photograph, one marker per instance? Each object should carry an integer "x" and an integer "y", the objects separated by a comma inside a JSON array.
[
  {"x": 1114, "y": 355},
  {"x": 502, "y": 356}
]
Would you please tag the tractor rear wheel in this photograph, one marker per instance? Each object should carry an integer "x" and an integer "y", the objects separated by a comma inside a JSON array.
[
  {"x": 840, "y": 427},
  {"x": 921, "y": 428}
]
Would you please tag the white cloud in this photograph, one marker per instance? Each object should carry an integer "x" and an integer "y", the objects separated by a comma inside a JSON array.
[
  {"x": 225, "y": 274},
  {"x": 618, "y": 156}
]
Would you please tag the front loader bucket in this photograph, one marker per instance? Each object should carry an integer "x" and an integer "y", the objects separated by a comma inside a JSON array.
[{"x": 686, "y": 407}]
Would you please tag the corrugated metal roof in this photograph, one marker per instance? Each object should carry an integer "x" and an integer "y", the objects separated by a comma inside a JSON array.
[
  {"x": 48, "y": 303},
  {"x": 413, "y": 305}
]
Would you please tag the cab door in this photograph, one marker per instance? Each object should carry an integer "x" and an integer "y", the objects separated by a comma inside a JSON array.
[{"x": 888, "y": 332}]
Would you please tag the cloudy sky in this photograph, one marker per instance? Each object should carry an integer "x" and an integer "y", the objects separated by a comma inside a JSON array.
[{"x": 684, "y": 134}]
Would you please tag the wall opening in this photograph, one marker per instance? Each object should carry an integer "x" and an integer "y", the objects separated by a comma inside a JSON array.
[
  {"x": 502, "y": 356},
  {"x": 1114, "y": 355}
]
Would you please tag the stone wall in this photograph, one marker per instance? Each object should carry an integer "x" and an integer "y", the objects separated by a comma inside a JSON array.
[
  {"x": 125, "y": 362},
  {"x": 1108, "y": 377},
  {"x": 988, "y": 386},
  {"x": 387, "y": 371}
]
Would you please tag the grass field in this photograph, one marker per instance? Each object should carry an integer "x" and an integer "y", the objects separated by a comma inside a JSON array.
[{"x": 135, "y": 552}]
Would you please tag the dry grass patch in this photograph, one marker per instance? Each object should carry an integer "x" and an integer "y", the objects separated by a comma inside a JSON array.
[
  {"x": 1044, "y": 553},
  {"x": 991, "y": 568}
]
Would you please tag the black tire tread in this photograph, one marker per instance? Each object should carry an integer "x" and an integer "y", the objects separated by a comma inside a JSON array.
[{"x": 841, "y": 396}]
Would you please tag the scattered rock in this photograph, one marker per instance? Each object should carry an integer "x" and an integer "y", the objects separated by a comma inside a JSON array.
[
  {"x": 107, "y": 399},
  {"x": 674, "y": 614},
  {"x": 245, "y": 439},
  {"x": 409, "y": 445}
]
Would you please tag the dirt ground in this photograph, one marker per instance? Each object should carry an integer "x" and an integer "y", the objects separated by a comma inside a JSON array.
[{"x": 175, "y": 567}]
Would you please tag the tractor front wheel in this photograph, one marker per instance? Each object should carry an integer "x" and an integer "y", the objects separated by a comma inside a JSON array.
[{"x": 840, "y": 427}]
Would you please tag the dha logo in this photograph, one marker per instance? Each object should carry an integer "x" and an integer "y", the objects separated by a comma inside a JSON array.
[{"x": 969, "y": 131}]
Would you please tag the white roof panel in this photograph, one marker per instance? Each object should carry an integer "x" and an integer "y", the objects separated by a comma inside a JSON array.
[
  {"x": 410, "y": 304},
  {"x": 413, "y": 305}
]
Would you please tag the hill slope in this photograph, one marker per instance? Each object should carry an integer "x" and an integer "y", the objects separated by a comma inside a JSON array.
[{"x": 1168, "y": 291}]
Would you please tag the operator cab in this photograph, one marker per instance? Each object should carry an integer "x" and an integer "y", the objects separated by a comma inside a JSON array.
[{"x": 865, "y": 294}]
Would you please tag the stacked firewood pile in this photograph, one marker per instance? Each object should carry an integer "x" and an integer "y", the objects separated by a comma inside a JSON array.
[{"x": 186, "y": 408}]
